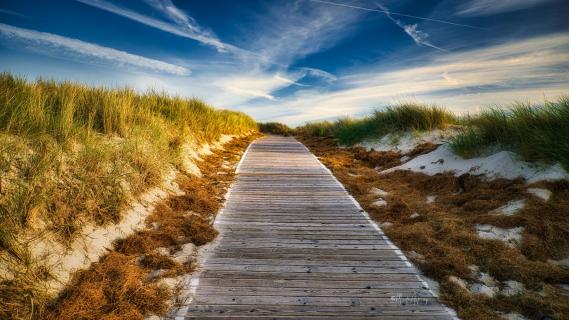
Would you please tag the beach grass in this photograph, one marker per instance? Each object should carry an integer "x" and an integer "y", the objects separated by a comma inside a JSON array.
[{"x": 73, "y": 155}]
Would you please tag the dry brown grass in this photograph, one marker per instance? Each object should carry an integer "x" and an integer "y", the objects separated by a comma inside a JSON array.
[
  {"x": 388, "y": 159},
  {"x": 444, "y": 234},
  {"x": 116, "y": 287},
  {"x": 119, "y": 285}
]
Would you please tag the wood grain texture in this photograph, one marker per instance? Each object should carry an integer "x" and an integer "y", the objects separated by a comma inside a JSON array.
[{"x": 295, "y": 245}]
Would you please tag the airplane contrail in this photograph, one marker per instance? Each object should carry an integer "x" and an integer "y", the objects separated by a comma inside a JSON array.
[
  {"x": 396, "y": 14},
  {"x": 418, "y": 36}
]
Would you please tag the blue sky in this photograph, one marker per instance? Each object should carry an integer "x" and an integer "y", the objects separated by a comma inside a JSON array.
[{"x": 298, "y": 60}]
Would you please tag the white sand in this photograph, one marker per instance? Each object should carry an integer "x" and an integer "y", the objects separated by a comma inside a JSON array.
[
  {"x": 458, "y": 281},
  {"x": 541, "y": 193},
  {"x": 514, "y": 316},
  {"x": 512, "y": 288},
  {"x": 95, "y": 241},
  {"x": 503, "y": 164},
  {"x": 511, "y": 237},
  {"x": 379, "y": 203},
  {"x": 510, "y": 208},
  {"x": 405, "y": 142},
  {"x": 378, "y": 192},
  {"x": 482, "y": 289}
]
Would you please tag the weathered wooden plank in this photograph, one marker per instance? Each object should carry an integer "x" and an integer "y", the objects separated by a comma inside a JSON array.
[
  {"x": 294, "y": 245},
  {"x": 288, "y": 230},
  {"x": 292, "y": 220},
  {"x": 310, "y": 269},
  {"x": 304, "y": 310},
  {"x": 278, "y": 245},
  {"x": 275, "y": 240},
  {"x": 317, "y": 301},
  {"x": 314, "y": 292},
  {"x": 247, "y": 235},
  {"x": 354, "y": 228},
  {"x": 322, "y": 312},
  {"x": 307, "y": 262},
  {"x": 236, "y": 274},
  {"x": 322, "y": 317},
  {"x": 382, "y": 256},
  {"x": 349, "y": 253}
]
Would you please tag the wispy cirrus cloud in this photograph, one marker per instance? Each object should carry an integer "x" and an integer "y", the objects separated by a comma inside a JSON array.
[
  {"x": 313, "y": 72},
  {"x": 293, "y": 30},
  {"x": 286, "y": 34},
  {"x": 412, "y": 30},
  {"x": 168, "y": 8},
  {"x": 183, "y": 25},
  {"x": 288, "y": 81},
  {"x": 380, "y": 10},
  {"x": 530, "y": 69},
  {"x": 251, "y": 86},
  {"x": 50, "y": 41},
  {"x": 489, "y": 7},
  {"x": 13, "y": 13}
]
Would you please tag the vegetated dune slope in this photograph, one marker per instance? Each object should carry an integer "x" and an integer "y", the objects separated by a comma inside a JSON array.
[
  {"x": 81, "y": 167},
  {"x": 491, "y": 230}
]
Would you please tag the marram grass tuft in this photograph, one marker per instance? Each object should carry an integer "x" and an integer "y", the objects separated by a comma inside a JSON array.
[{"x": 72, "y": 155}]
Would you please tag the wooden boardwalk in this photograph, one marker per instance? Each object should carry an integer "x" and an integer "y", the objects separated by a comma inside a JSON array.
[{"x": 295, "y": 245}]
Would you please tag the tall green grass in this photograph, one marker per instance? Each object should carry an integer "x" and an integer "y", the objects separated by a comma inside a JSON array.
[
  {"x": 534, "y": 132},
  {"x": 100, "y": 138},
  {"x": 403, "y": 117},
  {"x": 72, "y": 155},
  {"x": 65, "y": 110}
]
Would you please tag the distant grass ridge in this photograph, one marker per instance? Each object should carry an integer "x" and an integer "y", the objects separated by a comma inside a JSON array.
[
  {"x": 317, "y": 129},
  {"x": 534, "y": 132},
  {"x": 403, "y": 117},
  {"x": 65, "y": 110},
  {"x": 275, "y": 128}
]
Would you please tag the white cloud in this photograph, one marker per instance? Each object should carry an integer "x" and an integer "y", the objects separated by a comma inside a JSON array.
[
  {"x": 175, "y": 14},
  {"x": 287, "y": 32},
  {"x": 13, "y": 13},
  {"x": 184, "y": 26},
  {"x": 290, "y": 31},
  {"x": 489, "y": 7},
  {"x": 46, "y": 41},
  {"x": 411, "y": 30},
  {"x": 383, "y": 10},
  {"x": 288, "y": 81},
  {"x": 418, "y": 36},
  {"x": 326, "y": 76},
  {"x": 250, "y": 92},
  {"x": 463, "y": 81},
  {"x": 256, "y": 85}
]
